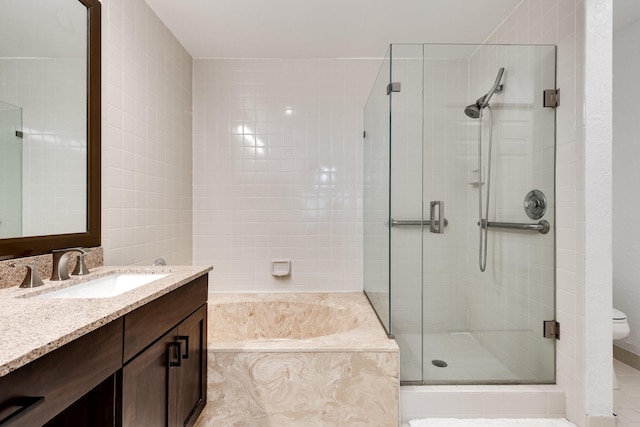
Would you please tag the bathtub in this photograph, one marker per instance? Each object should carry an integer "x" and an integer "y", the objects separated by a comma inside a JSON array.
[{"x": 299, "y": 359}]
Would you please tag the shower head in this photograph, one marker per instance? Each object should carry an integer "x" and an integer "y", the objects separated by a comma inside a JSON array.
[{"x": 473, "y": 110}]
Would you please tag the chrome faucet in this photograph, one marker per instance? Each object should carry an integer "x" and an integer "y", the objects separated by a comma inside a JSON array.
[
  {"x": 61, "y": 263},
  {"x": 32, "y": 279}
]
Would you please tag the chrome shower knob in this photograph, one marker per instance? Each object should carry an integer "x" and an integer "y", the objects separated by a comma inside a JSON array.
[{"x": 535, "y": 204}]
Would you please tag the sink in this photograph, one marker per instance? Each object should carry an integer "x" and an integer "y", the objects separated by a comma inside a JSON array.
[{"x": 105, "y": 287}]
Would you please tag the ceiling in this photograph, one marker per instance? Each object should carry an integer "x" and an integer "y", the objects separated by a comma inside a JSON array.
[{"x": 324, "y": 28}]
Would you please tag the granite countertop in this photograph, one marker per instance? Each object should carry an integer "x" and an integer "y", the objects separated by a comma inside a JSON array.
[{"x": 31, "y": 327}]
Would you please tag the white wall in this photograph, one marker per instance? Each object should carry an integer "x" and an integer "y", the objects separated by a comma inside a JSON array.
[
  {"x": 277, "y": 171},
  {"x": 146, "y": 138},
  {"x": 626, "y": 202}
]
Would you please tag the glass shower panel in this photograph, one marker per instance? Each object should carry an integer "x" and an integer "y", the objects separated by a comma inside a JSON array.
[
  {"x": 447, "y": 167},
  {"x": 376, "y": 194},
  {"x": 486, "y": 327},
  {"x": 10, "y": 170},
  {"x": 406, "y": 207},
  {"x": 454, "y": 322}
]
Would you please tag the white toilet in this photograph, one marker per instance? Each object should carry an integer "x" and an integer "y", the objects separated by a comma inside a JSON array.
[{"x": 620, "y": 331}]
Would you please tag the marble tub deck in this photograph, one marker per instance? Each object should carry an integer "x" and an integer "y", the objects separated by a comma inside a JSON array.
[{"x": 312, "y": 359}]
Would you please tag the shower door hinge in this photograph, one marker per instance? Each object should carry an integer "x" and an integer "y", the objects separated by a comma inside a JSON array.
[
  {"x": 551, "y": 329},
  {"x": 364, "y": 133},
  {"x": 19, "y": 134},
  {"x": 393, "y": 87},
  {"x": 551, "y": 98}
]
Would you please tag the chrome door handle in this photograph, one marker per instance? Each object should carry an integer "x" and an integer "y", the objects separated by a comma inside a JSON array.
[{"x": 436, "y": 226}]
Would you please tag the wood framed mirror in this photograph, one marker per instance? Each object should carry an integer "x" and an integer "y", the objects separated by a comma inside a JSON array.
[{"x": 85, "y": 227}]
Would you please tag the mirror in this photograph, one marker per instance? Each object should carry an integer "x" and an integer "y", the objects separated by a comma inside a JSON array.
[{"x": 49, "y": 125}]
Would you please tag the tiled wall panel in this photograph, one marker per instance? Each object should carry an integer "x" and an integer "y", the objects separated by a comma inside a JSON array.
[
  {"x": 146, "y": 138},
  {"x": 278, "y": 171}
]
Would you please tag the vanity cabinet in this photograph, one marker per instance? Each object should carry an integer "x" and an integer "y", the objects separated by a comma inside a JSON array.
[
  {"x": 147, "y": 368},
  {"x": 165, "y": 384},
  {"x": 37, "y": 392}
]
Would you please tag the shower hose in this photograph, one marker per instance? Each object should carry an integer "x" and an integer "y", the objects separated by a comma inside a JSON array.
[{"x": 482, "y": 223}]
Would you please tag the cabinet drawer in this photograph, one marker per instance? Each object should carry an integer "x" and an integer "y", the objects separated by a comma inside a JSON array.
[
  {"x": 60, "y": 377},
  {"x": 149, "y": 322}
]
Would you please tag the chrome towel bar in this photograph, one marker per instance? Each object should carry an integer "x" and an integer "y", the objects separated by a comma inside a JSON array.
[
  {"x": 542, "y": 226},
  {"x": 395, "y": 223}
]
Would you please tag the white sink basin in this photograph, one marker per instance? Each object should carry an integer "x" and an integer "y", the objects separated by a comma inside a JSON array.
[{"x": 105, "y": 287}]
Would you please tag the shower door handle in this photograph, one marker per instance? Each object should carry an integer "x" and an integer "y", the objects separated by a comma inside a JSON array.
[{"x": 436, "y": 226}]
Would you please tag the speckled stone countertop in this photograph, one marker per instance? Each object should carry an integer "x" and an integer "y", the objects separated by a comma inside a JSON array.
[{"x": 31, "y": 327}]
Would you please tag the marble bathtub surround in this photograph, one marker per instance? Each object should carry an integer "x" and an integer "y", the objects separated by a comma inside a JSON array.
[
  {"x": 291, "y": 359},
  {"x": 295, "y": 321},
  {"x": 31, "y": 327},
  {"x": 12, "y": 276}
]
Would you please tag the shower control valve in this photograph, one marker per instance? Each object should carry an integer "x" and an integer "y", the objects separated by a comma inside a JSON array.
[{"x": 535, "y": 204}]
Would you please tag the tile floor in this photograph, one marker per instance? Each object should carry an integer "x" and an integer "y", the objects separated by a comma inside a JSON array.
[{"x": 626, "y": 400}]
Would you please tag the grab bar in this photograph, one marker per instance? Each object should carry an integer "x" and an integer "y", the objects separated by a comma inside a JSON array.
[
  {"x": 395, "y": 223},
  {"x": 543, "y": 226}
]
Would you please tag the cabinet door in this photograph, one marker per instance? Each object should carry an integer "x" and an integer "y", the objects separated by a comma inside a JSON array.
[
  {"x": 146, "y": 382},
  {"x": 190, "y": 378}
]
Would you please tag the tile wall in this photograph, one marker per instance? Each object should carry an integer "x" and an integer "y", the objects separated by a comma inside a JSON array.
[
  {"x": 146, "y": 138},
  {"x": 278, "y": 171}
]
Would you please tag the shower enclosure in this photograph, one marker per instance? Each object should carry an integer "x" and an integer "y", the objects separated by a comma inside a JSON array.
[
  {"x": 459, "y": 211},
  {"x": 10, "y": 170}
]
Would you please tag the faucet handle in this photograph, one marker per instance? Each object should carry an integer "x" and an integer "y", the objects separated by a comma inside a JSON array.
[
  {"x": 81, "y": 268},
  {"x": 32, "y": 278}
]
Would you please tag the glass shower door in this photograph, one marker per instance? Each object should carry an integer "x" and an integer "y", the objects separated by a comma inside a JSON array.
[{"x": 487, "y": 327}]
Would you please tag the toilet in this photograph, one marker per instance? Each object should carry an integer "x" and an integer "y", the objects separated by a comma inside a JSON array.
[{"x": 620, "y": 331}]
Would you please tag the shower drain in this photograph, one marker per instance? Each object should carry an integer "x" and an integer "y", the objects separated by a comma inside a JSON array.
[{"x": 439, "y": 363}]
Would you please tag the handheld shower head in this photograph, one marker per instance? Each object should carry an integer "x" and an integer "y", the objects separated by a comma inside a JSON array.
[{"x": 473, "y": 110}]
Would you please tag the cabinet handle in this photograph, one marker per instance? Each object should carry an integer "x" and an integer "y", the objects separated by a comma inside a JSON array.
[
  {"x": 23, "y": 403},
  {"x": 186, "y": 339},
  {"x": 179, "y": 352}
]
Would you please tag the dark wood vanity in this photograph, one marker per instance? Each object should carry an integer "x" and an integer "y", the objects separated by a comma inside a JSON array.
[{"x": 146, "y": 368}]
